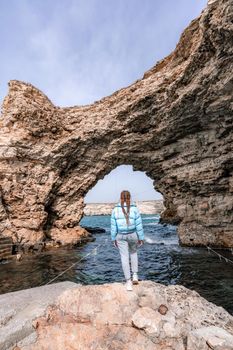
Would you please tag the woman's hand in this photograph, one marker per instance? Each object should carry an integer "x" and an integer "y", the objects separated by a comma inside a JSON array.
[
  {"x": 140, "y": 242},
  {"x": 115, "y": 244}
]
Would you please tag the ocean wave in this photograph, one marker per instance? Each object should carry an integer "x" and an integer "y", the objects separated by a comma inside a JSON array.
[
  {"x": 150, "y": 218},
  {"x": 149, "y": 240},
  {"x": 151, "y": 224},
  {"x": 152, "y": 241}
]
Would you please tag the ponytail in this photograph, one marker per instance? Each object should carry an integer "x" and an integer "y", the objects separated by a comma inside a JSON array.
[{"x": 125, "y": 198}]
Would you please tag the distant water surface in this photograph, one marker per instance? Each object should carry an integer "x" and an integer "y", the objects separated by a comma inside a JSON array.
[{"x": 161, "y": 259}]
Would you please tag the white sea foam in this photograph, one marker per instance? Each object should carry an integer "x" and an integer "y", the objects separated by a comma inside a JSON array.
[
  {"x": 151, "y": 224},
  {"x": 151, "y": 218},
  {"x": 153, "y": 241},
  {"x": 172, "y": 241}
]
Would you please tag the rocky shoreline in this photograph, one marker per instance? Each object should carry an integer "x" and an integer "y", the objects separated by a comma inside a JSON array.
[
  {"x": 145, "y": 207},
  {"x": 70, "y": 238},
  {"x": 70, "y": 316}
]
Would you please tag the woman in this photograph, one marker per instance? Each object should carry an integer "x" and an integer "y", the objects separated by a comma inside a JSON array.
[{"x": 127, "y": 235}]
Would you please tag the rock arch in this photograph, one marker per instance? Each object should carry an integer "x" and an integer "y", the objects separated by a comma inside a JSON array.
[{"x": 175, "y": 124}]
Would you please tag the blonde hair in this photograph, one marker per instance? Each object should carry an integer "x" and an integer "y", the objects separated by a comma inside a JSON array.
[{"x": 126, "y": 198}]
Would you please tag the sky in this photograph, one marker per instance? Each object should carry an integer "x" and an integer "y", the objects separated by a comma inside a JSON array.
[
  {"x": 78, "y": 51},
  {"x": 123, "y": 178}
]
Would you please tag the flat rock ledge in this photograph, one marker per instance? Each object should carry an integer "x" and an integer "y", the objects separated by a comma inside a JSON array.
[{"x": 66, "y": 315}]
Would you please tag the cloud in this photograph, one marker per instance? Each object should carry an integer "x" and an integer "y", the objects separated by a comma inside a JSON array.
[{"x": 79, "y": 51}]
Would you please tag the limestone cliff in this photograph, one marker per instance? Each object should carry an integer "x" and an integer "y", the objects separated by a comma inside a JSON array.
[
  {"x": 175, "y": 124},
  {"x": 145, "y": 207}
]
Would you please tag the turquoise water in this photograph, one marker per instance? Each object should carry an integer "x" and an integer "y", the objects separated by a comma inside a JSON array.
[{"x": 161, "y": 259}]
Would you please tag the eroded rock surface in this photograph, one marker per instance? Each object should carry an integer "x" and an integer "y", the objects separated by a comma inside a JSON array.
[
  {"x": 104, "y": 317},
  {"x": 175, "y": 124}
]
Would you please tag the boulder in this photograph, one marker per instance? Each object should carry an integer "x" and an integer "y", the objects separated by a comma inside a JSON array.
[
  {"x": 70, "y": 236},
  {"x": 94, "y": 229}
]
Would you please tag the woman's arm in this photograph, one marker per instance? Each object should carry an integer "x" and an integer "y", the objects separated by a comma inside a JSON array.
[
  {"x": 138, "y": 223},
  {"x": 113, "y": 226}
]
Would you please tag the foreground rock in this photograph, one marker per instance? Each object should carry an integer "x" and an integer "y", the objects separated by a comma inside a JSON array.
[
  {"x": 19, "y": 309},
  {"x": 105, "y": 317},
  {"x": 175, "y": 124}
]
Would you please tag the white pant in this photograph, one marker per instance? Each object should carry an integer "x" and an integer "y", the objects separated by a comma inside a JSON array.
[{"x": 127, "y": 244}]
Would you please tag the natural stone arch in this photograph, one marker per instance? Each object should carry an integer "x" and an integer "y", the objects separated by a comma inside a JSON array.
[{"x": 175, "y": 124}]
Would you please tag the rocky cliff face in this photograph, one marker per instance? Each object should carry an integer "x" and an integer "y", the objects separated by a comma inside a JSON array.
[
  {"x": 175, "y": 124},
  {"x": 66, "y": 316},
  {"x": 145, "y": 207}
]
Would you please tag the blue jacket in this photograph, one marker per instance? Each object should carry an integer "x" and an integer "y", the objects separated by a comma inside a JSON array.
[{"x": 119, "y": 225}]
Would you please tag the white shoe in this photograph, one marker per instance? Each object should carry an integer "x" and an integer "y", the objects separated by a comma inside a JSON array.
[
  {"x": 129, "y": 285},
  {"x": 135, "y": 278}
]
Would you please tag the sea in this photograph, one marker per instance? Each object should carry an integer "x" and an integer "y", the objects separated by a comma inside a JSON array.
[{"x": 161, "y": 259}]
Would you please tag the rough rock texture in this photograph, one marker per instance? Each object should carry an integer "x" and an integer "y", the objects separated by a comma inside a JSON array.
[
  {"x": 19, "y": 309},
  {"x": 145, "y": 207},
  {"x": 70, "y": 236},
  {"x": 5, "y": 247},
  {"x": 175, "y": 124},
  {"x": 104, "y": 317}
]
